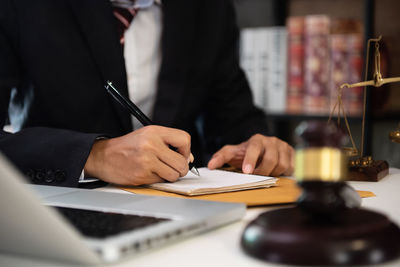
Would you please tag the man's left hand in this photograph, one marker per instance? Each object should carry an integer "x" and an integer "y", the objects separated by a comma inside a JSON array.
[{"x": 262, "y": 155}]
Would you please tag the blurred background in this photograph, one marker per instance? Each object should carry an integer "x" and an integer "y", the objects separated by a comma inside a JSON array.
[{"x": 297, "y": 52}]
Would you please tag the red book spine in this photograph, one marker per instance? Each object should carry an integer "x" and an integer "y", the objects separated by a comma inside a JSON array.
[
  {"x": 295, "y": 67},
  {"x": 316, "y": 98}
]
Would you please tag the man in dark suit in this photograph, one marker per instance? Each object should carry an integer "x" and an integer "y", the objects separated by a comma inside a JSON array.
[{"x": 61, "y": 52}]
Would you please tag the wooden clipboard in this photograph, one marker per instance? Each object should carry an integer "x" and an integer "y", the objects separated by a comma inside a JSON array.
[{"x": 285, "y": 192}]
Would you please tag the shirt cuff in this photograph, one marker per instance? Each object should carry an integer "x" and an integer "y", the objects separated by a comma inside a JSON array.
[{"x": 82, "y": 178}]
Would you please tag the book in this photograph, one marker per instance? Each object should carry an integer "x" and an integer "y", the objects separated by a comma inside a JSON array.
[
  {"x": 249, "y": 63},
  {"x": 214, "y": 181},
  {"x": 275, "y": 91},
  {"x": 346, "y": 64},
  {"x": 295, "y": 65},
  {"x": 316, "y": 73},
  {"x": 298, "y": 68},
  {"x": 263, "y": 58}
]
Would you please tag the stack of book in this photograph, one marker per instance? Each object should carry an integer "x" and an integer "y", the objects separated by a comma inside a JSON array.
[
  {"x": 298, "y": 69},
  {"x": 263, "y": 58},
  {"x": 324, "y": 53}
]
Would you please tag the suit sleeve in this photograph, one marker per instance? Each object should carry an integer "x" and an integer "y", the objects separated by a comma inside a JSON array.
[
  {"x": 231, "y": 116},
  {"x": 44, "y": 155},
  {"x": 48, "y": 156},
  {"x": 9, "y": 71}
]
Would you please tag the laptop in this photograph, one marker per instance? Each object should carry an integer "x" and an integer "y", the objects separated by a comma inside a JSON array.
[{"x": 83, "y": 226}]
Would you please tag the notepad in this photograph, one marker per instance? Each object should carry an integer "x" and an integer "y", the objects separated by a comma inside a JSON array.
[{"x": 215, "y": 181}]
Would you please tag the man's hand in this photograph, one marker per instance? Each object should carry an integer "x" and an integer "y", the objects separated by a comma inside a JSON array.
[
  {"x": 140, "y": 157},
  {"x": 259, "y": 155}
]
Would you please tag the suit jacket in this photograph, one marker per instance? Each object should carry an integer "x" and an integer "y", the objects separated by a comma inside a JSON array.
[{"x": 62, "y": 52}]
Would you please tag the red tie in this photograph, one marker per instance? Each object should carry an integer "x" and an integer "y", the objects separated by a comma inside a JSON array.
[{"x": 124, "y": 17}]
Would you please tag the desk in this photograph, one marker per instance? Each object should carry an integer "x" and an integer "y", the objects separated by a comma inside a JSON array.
[{"x": 220, "y": 247}]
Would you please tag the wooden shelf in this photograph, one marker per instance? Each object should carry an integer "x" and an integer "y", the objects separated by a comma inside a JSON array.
[
  {"x": 303, "y": 117},
  {"x": 379, "y": 18}
]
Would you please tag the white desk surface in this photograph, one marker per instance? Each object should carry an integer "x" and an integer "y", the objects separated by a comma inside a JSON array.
[{"x": 221, "y": 247}]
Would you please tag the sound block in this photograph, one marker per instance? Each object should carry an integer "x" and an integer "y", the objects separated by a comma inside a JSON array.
[
  {"x": 351, "y": 237},
  {"x": 373, "y": 173}
]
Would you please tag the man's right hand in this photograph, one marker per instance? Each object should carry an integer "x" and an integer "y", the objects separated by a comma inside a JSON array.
[{"x": 140, "y": 157}]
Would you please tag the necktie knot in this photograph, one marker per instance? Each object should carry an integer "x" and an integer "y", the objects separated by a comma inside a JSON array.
[{"x": 124, "y": 17}]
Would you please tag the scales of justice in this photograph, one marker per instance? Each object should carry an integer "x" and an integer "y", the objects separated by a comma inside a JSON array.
[
  {"x": 328, "y": 226},
  {"x": 363, "y": 167}
]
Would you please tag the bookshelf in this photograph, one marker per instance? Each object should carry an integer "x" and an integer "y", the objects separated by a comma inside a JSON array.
[{"x": 378, "y": 17}]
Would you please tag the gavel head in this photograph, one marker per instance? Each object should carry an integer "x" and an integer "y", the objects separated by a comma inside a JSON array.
[
  {"x": 318, "y": 155},
  {"x": 321, "y": 168},
  {"x": 327, "y": 227}
]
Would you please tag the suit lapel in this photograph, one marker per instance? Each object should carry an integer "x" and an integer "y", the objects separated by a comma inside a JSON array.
[
  {"x": 98, "y": 28},
  {"x": 177, "y": 40}
]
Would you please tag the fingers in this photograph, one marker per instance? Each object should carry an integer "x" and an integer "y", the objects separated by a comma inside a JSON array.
[
  {"x": 277, "y": 159},
  {"x": 149, "y": 178},
  {"x": 259, "y": 155},
  {"x": 138, "y": 176},
  {"x": 222, "y": 156},
  {"x": 172, "y": 150},
  {"x": 169, "y": 173},
  {"x": 280, "y": 165},
  {"x": 173, "y": 153},
  {"x": 285, "y": 165},
  {"x": 174, "y": 161},
  {"x": 178, "y": 139},
  {"x": 141, "y": 157},
  {"x": 290, "y": 170},
  {"x": 255, "y": 150}
]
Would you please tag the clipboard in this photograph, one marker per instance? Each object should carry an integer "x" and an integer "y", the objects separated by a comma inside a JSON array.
[{"x": 285, "y": 192}]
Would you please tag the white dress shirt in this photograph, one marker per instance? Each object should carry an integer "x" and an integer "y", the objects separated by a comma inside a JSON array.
[{"x": 142, "y": 52}]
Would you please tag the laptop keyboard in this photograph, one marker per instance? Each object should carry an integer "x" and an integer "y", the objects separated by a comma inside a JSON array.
[{"x": 97, "y": 224}]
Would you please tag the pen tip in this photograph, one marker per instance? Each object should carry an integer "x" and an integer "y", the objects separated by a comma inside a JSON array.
[{"x": 195, "y": 171}]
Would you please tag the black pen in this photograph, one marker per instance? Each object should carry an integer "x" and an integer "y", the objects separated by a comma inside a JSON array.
[{"x": 135, "y": 111}]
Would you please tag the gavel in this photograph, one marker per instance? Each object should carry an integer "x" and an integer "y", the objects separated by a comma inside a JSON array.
[{"x": 327, "y": 226}]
